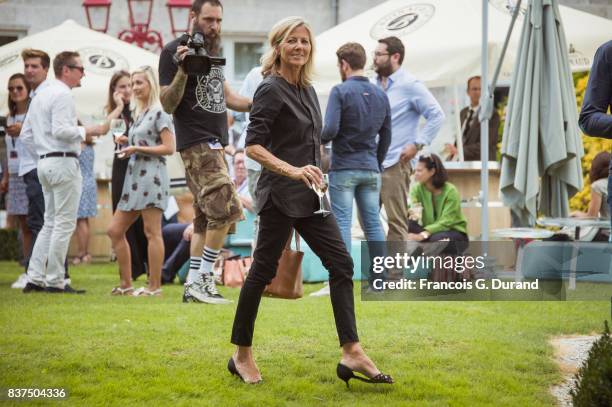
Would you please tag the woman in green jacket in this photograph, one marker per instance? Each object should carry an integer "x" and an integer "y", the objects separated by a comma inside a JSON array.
[{"x": 441, "y": 216}]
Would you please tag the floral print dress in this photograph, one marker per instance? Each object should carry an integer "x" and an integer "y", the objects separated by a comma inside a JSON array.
[{"x": 146, "y": 181}]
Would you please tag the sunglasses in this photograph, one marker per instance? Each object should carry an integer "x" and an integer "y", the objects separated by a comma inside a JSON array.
[
  {"x": 15, "y": 88},
  {"x": 77, "y": 67}
]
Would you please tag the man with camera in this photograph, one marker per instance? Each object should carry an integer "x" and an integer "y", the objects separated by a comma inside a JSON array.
[{"x": 194, "y": 90}]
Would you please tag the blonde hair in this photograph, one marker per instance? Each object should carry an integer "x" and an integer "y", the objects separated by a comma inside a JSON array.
[
  {"x": 153, "y": 100},
  {"x": 270, "y": 61}
]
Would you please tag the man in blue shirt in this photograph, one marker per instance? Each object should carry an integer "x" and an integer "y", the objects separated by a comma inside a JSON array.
[
  {"x": 409, "y": 100},
  {"x": 357, "y": 111},
  {"x": 594, "y": 118}
]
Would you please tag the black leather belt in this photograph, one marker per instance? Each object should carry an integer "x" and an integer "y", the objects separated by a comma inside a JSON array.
[{"x": 59, "y": 154}]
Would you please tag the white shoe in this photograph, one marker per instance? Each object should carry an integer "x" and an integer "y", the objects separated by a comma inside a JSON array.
[
  {"x": 21, "y": 281},
  {"x": 322, "y": 292},
  {"x": 204, "y": 291}
]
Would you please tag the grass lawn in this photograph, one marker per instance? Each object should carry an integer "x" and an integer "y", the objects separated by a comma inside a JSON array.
[{"x": 157, "y": 351}]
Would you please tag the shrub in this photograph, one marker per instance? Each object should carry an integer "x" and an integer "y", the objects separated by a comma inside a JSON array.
[
  {"x": 594, "y": 378},
  {"x": 9, "y": 249}
]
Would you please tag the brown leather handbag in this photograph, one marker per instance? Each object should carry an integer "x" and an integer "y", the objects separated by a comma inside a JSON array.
[
  {"x": 288, "y": 280},
  {"x": 233, "y": 273}
]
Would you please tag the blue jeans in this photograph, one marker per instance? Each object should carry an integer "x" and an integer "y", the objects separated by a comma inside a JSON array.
[{"x": 364, "y": 186}]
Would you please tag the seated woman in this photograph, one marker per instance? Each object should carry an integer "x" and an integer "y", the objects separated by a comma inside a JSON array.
[
  {"x": 598, "y": 207},
  {"x": 441, "y": 217}
]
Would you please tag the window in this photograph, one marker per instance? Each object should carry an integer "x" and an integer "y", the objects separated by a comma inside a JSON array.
[
  {"x": 246, "y": 57},
  {"x": 5, "y": 39}
]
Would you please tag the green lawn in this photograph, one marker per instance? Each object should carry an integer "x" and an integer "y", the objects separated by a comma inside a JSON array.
[{"x": 157, "y": 351}]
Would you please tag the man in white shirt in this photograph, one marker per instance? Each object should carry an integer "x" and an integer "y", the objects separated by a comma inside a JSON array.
[
  {"x": 35, "y": 68},
  {"x": 50, "y": 129}
]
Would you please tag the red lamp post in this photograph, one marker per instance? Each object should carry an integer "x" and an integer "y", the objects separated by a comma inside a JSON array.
[
  {"x": 97, "y": 12},
  {"x": 179, "y": 11},
  {"x": 140, "y": 19}
]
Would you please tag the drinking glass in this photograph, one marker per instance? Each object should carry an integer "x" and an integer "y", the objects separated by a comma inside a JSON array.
[{"x": 321, "y": 193}]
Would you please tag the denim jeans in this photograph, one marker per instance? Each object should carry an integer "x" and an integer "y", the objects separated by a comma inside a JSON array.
[
  {"x": 364, "y": 186},
  {"x": 610, "y": 200}
]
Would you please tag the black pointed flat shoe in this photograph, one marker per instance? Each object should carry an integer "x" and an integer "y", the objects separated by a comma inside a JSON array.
[
  {"x": 345, "y": 373},
  {"x": 231, "y": 366}
]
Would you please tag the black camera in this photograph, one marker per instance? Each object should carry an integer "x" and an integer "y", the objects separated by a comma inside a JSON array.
[{"x": 197, "y": 61}]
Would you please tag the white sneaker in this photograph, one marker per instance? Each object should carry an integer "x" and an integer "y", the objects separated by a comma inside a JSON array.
[
  {"x": 204, "y": 291},
  {"x": 21, "y": 282},
  {"x": 322, "y": 292}
]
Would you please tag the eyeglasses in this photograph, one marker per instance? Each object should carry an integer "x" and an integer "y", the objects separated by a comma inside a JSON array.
[
  {"x": 15, "y": 88},
  {"x": 77, "y": 67}
]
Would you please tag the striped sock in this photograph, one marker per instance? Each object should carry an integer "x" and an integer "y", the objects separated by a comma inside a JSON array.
[
  {"x": 208, "y": 259},
  {"x": 194, "y": 269}
]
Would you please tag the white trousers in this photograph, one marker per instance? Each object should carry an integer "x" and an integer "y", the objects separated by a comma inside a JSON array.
[{"x": 61, "y": 181}]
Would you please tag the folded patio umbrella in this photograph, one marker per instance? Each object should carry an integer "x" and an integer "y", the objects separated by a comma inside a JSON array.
[{"x": 541, "y": 146}]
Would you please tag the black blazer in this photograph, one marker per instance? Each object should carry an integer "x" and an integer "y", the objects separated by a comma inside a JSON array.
[{"x": 471, "y": 139}]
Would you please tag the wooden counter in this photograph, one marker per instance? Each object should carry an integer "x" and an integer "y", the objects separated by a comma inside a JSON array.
[{"x": 466, "y": 177}]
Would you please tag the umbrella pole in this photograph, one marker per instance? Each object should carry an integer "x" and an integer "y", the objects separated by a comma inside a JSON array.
[{"x": 484, "y": 126}]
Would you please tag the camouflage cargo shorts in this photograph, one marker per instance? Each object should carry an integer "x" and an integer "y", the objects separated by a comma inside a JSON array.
[{"x": 215, "y": 200}]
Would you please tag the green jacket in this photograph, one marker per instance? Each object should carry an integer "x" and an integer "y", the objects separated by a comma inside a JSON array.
[{"x": 441, "y": 213}]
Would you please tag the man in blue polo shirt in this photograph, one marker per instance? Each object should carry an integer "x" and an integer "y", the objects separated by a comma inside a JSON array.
[{"x": 594, "y": 118}]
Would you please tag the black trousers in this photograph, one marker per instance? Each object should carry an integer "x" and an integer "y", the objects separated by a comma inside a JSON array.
[
  {"x": 460, "y": 239},
  {"x": 36, "y": 212},
  {"x": 323, "y": 237},
  {"x": 176, "y": 250},
  {"x": 135, "y": 234}
]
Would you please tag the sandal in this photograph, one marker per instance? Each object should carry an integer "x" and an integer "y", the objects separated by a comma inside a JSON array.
[
  {"x": 122, "y": 291},
  {"x": 144, "y": 292}
]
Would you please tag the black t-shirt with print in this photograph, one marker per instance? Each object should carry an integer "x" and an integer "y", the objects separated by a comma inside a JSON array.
[{"x": 201, "y": 115}]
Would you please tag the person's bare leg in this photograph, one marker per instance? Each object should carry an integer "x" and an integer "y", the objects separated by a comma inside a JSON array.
[
  {"x": 215, "y": 238},
  {"x": 82, "y": 234},
  {"x": 152, "y": 228},
  {"x": 245, "y": 363},
  {"x": 197, "y": 244},
  {"x": 116, "y": 231},
  {"x": 354, "y": 357}
]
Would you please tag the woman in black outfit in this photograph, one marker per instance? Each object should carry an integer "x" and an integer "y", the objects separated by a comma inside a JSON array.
[
  {"x": 284, "y": 136},
  {"x": 118, "y": 106}
]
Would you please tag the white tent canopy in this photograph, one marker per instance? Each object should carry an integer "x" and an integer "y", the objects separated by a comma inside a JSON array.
[
  {"x": 443, "y": 39},
  {"x": 102, "y": 55}
]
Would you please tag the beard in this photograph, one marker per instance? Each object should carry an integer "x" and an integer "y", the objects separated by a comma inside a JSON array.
[
  {"x": 213, "y": 45},
  {"x": 383, "y": 71}
]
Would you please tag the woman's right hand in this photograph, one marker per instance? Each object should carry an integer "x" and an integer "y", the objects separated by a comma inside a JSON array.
[
  {"x": 118, "y": 98},
  {"x": 4, "y": 184},
  {"x": 14, "y": 130},
  {"x": 309, "y": 174}
]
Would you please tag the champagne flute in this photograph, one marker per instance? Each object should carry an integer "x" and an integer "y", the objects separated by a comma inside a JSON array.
[
  {"x": 117, "y": 127},
  {"x": 321, "y": 193}
]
